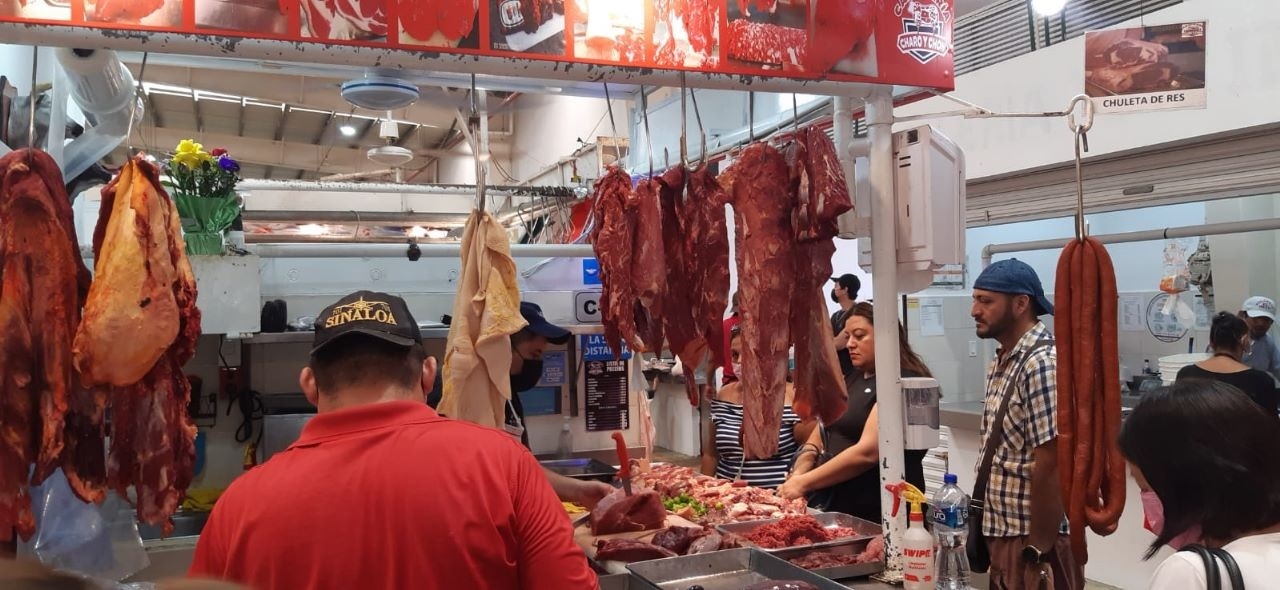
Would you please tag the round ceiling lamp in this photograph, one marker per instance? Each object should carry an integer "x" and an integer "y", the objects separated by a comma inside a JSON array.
[{"x": 1048, "y": 8}]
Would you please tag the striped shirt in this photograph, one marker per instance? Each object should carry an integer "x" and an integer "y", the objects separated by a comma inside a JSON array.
[
  {"x": 765, "y": 473},
  {"x": 1032, "y": 421}
]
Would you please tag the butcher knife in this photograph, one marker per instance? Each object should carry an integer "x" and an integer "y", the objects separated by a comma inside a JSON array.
[{"x": 624, "y": 463}]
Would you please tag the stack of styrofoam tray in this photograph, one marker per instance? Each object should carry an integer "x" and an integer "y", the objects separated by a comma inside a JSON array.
[
  {"x": 937, "y": 462},
  {"x": 1170, "y": 365}
]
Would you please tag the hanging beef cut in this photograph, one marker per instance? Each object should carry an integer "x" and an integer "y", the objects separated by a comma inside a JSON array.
[
  {"x": 613, "y": 240},
  {"x": 42, "y": 285},
  {"x": 144, "y": 287},
  {"x": 680, "y": 319},
  {"x": 648, "y": 263},
  {"x": 759, "y": 188},
  {"x": 707, "y": 245}
]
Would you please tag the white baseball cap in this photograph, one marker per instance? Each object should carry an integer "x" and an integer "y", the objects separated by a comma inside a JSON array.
[{"x": 1260, "y": 307}]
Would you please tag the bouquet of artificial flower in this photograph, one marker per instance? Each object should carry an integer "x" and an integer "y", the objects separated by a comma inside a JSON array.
[{"x": 203, "y": 187}]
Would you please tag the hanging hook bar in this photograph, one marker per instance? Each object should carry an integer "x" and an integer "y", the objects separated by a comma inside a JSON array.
[
  {"x": 697, "y": 114},
  {"x": 684, "y": 118},
  {"x": 648, "y": 137},
  {"x": 795, "y": 114},
  {"x": 133, "y": 111},
  {"x": 617, "y": 149},
  {"x": 751, "y": 117},
  {"x": 31, "y": 124},
  {"x": 1080, "y": 129}
]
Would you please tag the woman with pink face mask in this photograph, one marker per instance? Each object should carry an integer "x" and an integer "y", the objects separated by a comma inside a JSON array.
[{"x": 1204, "y": 455}]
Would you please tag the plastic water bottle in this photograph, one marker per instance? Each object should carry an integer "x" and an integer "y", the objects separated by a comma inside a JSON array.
[
  {"x": 565, "y": 449},
  {"x": 949, "y": 512}
]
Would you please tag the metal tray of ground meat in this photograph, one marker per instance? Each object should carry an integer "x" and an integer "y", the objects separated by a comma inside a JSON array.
[
  {"x": 732, "y": 569},
  {"x": 863, "y": 530},
  {"x": 840, "y": 552}
]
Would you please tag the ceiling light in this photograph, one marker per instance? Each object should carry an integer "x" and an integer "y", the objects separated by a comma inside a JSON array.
[
  {"x": 437, "y": 234},
  {"x": 1048, "y": 7},
  {"x": 347, "y": 130},
  {"x": 416, "y": 231},
  {"x": 312, "y": 229}
]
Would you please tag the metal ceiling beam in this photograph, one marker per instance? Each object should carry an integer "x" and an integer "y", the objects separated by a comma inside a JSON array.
[
  {"x": 408, "y": 134},
  {"x": 240, "y": 129},
  {"x": 324, "y": 128},
  {"x": 195, "y": 109},
  {"x": 280, "y": 123}
]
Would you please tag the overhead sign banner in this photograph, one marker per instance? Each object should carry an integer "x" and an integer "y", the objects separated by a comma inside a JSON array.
[
  {"x": 902, "y": 42},
  {"x": 1146, "y": 68}
]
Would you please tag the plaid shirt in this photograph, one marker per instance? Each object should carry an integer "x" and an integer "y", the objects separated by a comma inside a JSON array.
[{"x": 1032, "y": 421}]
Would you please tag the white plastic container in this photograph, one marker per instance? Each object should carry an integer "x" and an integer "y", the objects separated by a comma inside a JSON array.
[{"x": 917, "y": 554}]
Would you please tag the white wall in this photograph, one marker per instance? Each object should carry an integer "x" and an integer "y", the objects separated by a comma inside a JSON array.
[
  {"x": 1243, "y": 92},
  {"x": 548, "y": 126}
]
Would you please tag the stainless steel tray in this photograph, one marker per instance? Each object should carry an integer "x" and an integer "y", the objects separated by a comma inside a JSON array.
[
  {"x": 839, "y": 572},
  {"x": 863, "y": 530},
  {"x": 732, "y": 569},
  {"x": 621, "y": 582}
]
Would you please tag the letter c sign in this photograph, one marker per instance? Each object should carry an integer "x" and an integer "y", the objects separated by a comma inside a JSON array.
[{"x": 586, "y": 307}]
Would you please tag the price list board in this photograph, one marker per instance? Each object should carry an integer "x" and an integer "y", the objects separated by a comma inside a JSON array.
[{"x": 607, "y": 406}]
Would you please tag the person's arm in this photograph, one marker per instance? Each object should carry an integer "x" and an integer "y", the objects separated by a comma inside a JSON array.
[
  {"x": 709, "y": 454},
  {"x": 587, "y": 493},
  {"x": 807, "y": 456},
  {"x": 1040, "y": 387},
  {"x": 846, "y": 465},
  {"x": 548, "y": 558}
]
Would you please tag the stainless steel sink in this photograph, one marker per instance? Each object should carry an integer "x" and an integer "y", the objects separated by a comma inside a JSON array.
[{"x": 185, "y": 524}]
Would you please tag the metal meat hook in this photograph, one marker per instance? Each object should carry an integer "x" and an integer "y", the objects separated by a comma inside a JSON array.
[{"x": 1080, "y": 130}]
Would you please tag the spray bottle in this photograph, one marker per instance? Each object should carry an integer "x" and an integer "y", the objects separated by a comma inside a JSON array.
[{"x": 917, "y": 543}]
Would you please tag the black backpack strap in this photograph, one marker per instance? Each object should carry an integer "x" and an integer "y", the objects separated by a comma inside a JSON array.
[
  {"x": 1213, "y": 578},
  {"x": 1233, "y": 569}
]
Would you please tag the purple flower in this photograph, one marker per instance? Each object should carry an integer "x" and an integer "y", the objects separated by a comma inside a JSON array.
[{"x": 226, "y": 163}]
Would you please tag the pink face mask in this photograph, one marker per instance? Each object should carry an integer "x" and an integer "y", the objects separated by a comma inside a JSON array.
[{"x": 1153, "y": 510}]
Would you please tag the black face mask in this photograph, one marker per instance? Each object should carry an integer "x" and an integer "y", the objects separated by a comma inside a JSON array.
[{"x": 528, "y": 377}]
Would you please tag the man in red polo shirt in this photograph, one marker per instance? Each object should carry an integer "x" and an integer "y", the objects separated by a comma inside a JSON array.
[{"x": 380, "y": 491}]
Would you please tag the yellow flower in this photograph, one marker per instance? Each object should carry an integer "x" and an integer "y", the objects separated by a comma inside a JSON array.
[{"x": 191, "y": 154}]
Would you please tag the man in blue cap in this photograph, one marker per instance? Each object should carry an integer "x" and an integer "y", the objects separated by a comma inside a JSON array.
[{"x": 1023, "y": 524}]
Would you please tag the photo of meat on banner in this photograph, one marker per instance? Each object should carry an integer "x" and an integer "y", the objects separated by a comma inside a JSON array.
[
  {"x": 146, "y": 13},
  {"x": 440, "y": 23},
  {"x": 813, "y": 36},
  {"x": 54, "y": 10},
  {"x": 527, "y": 26},
  {"x": 245, "y": 16},
  {"x": 610, "y": 31},
  {"x": 344, "y": 20},
  {"x": 686, "y": 33}
]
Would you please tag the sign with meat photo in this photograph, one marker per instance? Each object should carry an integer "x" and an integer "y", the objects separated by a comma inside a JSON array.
[
  {"x": 611, "y": 31},
  {"x": 344, "y": 20},
  {"x": 439, "y": 23},
  {"x": 146, "y": 13},
  {"x": 49, "y": 10},
  {"x": 250, "y": 16},
  {"x": 769, "y": 34},
  {"x": 1146, "y": 68},
  {"x": 527, "y": 26},
  {"x": 686, "y": 33}
]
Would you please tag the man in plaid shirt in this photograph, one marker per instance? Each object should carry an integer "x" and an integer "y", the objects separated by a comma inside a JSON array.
[{"x": 1023, "y": 524}]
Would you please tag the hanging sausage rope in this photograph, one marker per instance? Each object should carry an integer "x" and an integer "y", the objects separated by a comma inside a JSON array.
[{"x": 1091, "y": 469}]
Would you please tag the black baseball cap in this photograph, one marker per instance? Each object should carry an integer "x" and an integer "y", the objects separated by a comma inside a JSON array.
[
  {"x": 379, "y": 315},
  {"x": 850, "y": 282},
  {"x": 539, "y": 325}
]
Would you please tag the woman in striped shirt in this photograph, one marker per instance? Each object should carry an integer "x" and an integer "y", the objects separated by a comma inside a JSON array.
[{"x": 722, "y": 454}]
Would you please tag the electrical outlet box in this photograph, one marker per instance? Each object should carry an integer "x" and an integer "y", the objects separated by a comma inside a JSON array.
[{"x": 973, "y": 348}]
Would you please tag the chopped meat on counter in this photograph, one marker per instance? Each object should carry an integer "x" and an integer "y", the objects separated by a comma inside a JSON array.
[
  {"x": 678, "y": 538},
  {"x": 620, "y": 513},
  {"x": 873, "y": 552},
  {"x": 726, "y": 501},
  {"x": 781, "y": 585}
]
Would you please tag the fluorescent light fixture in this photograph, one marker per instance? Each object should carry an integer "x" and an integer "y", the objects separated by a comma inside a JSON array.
[
  {"x": 1048, "y": 7},
  {"x": 312, "y": 229},
  {"x": 348, "y": 130},
  {"x": 416, "y": 231},
  {"x": 437, "y": 234}
]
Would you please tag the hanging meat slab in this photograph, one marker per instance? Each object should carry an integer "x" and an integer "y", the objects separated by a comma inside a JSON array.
[
  {"x": 707, "y": 244},
  {"x": 679, "y": 317},
  {"x": 613, "y": 240},
  {"x": 648, "y": 264},
  {"x": 153, "y": 439},
  {"x": 41, "y": 287},
  {"x": 758, "y": 185},
  {"x": 818, "y": 183}
]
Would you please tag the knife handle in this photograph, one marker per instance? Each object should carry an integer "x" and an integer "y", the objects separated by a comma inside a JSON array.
[{"x": 624, "y": 467}]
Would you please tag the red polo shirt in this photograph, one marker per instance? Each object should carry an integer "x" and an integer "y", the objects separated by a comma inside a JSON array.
[{"x": 391, "y": 495}]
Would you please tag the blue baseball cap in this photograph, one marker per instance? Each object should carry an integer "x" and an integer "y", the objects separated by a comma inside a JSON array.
[
  {"x": 1015, "y": 277},
  {"x": 539, "y": 325}
]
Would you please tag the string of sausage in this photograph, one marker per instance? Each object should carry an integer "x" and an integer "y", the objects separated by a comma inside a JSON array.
[{"x": 1089, "y": 462}]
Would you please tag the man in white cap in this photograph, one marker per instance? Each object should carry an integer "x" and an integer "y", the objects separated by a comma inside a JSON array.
[{"x": 1260, "y": 313}]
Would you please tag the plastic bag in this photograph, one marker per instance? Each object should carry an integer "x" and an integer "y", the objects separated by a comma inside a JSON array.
[
  {"x": 1176, "y": 281},
  {"x": 100, "y": 542}
]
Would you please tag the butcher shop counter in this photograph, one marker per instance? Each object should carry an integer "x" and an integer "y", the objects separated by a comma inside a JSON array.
[{"x": 626, "y": 582}]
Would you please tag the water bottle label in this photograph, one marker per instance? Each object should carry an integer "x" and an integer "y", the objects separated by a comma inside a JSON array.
[{"x": 952, "y": 516}]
